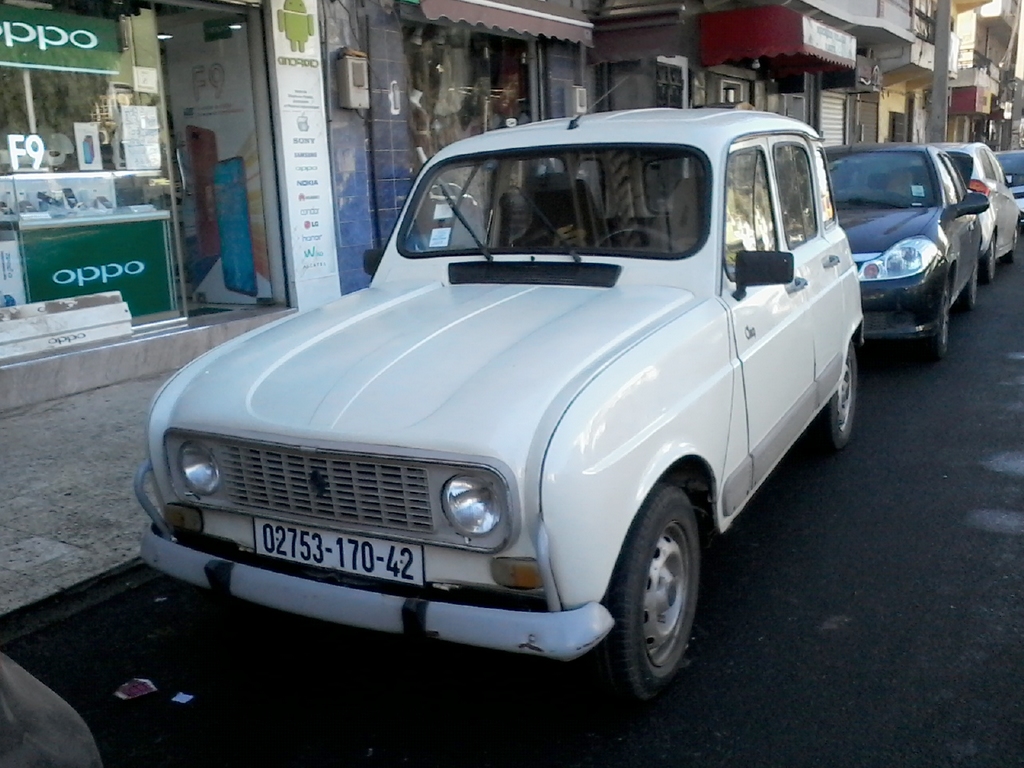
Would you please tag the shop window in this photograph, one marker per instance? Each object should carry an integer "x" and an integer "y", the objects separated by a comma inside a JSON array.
[
  {"x": 670, "y": 86},
  {"x": 796, "y": 196},
  {"x": 128, "y": 159},
  {"x": 463, "y": 83},
  {"x": 749, "y": 217}
]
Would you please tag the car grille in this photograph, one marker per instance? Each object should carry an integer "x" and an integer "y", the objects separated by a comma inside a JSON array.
[{"x": 338, "y": 487}]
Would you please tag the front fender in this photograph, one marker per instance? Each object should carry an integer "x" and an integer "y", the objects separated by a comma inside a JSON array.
[{"x": 668, "y": 397}]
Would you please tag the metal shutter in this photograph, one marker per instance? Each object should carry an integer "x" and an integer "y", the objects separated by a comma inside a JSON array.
[
  {"x": 833, "y": 118},
  {"x": 867, "y": 118}
]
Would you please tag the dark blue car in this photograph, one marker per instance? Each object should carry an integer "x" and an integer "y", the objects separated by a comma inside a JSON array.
[{"x": 913, "y": 229}]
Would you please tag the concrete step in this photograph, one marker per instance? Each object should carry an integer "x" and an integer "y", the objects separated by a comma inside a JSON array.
[{"x": 37, "y": 379}]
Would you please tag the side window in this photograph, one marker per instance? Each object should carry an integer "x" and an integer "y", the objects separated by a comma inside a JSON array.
[
  {"x": 828, "y": 210},
  {"x": 796, "y": 193},
  {"x": 950, "y": 181},
  {"x": 749, "y": 217},
  {"x": 992, "y": 172}
]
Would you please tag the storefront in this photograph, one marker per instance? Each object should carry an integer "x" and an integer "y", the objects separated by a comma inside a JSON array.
[
  {"x": 855, "y": 94},
  {"x": 137, "y": 154}
]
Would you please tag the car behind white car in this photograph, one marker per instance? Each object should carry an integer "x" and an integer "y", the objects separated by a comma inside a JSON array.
[{"x": 586, "y": 345}]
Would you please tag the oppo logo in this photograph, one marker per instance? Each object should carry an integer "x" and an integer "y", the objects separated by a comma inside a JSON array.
[
  {"x": 48, "y": 36},
  {"x": 84, "y": 275},
  {"x": 306, "y": 183},
  {"x": 288, "y": 61},
  {"x": 68, "y": 339},
  {"x": 306, "y": 168}
]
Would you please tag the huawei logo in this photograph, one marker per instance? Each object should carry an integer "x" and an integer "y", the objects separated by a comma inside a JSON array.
[{"x": 318, "y": 484}]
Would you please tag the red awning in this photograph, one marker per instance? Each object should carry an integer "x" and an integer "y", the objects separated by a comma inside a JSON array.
[
  {"x": 791, "y": 42},
  {"x": 528, "y": 17}
]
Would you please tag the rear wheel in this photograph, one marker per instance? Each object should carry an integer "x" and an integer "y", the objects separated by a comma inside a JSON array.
[
  {"x": 834, "y": 425},
  {"x": 652, "y": 597},
  {"x": 1007, "y": 258}
]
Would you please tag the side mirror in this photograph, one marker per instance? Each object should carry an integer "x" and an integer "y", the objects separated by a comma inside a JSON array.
[
  {"x": 762, "y": 268},
  {"x": 371, "y": 260},
  {"x": 973, "y": 202}
]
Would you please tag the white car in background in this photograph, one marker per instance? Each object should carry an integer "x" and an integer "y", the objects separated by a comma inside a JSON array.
[
  {"x": 982, "y": 173},
  {"x": 586, "y": 345}
]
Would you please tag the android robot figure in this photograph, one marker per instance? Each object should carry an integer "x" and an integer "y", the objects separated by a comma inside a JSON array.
[{"x": 296, "y": 24}]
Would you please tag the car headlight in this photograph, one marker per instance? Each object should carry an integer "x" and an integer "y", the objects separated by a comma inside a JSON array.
[
  {"x": 907, "y": 257},
  {"x": 199, "y": 468},
  {"x": 471, "y": 505}
]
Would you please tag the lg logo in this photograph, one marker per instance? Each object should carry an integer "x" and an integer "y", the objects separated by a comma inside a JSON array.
[{"x": 105, "y": 273}]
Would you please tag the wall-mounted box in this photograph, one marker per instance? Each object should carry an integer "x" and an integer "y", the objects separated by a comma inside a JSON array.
[{"x": 353, "y": 76}]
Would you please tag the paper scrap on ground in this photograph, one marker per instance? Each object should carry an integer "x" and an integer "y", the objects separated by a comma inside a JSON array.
[
  {"x": 134, "y": 688},
  {"x": 182, "y": 698}
]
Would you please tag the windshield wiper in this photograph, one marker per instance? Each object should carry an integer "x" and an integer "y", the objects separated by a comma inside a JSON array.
[
  {"x": 462, "y": 219},
  {"x": 562, "y": 239},
  {"x": 866, "y": 201}
]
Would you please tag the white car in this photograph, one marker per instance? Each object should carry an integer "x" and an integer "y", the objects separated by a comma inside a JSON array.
[
  {"x": 982, "y": 173},
  {"x": 585, "y": 346},
  {"x": 1012, "y": 163}
]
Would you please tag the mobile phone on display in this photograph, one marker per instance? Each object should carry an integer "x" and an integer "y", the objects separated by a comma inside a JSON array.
[
  {"x": 102, "y": 202},
  {"x": 201, "y": 144},
  {"x": 69, "y": 197},
  {"x": 236, "y": 256}
]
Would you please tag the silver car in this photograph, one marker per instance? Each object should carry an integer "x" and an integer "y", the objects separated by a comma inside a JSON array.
[
  {"x": 983, "y": 173},
  {"x": 1012, "y": 162}
]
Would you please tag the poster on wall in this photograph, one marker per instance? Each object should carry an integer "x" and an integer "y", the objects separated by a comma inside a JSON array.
[
  {"x": 87, "y": 146},
  {"x": 305, "y": 165},
  {"x": 211, "y": 103}
]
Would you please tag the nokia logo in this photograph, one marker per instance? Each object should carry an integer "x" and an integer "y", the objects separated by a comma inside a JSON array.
[{"x": 307, "y": 183}]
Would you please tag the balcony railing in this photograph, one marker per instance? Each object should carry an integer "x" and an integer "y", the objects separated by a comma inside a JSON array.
[
  {"x": 971, "y": 59},
  {"x": 924, "y": 26}
]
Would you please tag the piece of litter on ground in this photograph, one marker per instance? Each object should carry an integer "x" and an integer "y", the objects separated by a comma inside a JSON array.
[
  {"x": 160, "y": 600},
  {"x": 134, "y": 688},
  {"x": 182, "y": 698}
]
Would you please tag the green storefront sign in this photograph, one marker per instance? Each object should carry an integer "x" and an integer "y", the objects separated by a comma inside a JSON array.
[
  {"x": 34, "y": 39},
  {"x": 130, "y": 257}
]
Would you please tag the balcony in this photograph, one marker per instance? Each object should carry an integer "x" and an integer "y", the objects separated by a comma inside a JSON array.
[
  {"x": 914, "y": 64},
  {"x": 999, "y": 15},
  {"x": 978, "y": 71}
]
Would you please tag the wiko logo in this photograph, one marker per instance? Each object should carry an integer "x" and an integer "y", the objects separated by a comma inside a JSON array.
[{"x": 313, "y": 253}]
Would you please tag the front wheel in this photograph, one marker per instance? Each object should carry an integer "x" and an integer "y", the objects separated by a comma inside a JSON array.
[
  {"x": 968, "y": 298},
  {"x": 988, "y": 264},
  {"x": 937, "y": 346},
  {"x": 652, "y": 597}
]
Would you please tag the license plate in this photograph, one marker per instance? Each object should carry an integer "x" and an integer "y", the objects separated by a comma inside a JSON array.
[{"x": 360, "y": 555}]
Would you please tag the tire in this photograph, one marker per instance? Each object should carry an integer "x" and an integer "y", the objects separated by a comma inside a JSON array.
[
  {"x": 1007, "y": 258},
  {"x": 834, "y": 425},
  {"x": 968, "y": 298},
  {"x": 937, "y": 345},
  {"x": 658, "y": 568},
  {"x": 988, "y": 264}
]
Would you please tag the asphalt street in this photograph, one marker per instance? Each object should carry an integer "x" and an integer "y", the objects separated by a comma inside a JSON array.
[{"x": 867, "y": 609}]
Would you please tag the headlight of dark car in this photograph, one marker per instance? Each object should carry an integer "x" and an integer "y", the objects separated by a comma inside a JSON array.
[{"x": 907, "y": 257}]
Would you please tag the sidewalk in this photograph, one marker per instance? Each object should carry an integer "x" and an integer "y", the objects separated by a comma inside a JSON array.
[{"x": 67, "y": 510}]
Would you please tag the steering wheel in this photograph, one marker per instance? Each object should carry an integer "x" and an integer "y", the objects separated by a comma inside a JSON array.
[{"x": 649, "y": 238}]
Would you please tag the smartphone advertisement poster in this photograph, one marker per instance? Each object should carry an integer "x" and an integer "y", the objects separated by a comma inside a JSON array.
[{"x": 87, "y": 146}]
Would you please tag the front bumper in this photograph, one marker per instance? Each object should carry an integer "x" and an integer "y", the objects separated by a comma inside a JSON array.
[
  {"x": 905, "y": 308},
  {"x": 562, "y": 635}
]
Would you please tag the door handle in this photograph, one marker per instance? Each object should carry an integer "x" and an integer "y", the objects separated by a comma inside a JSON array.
[
  {"x": 831, "y": 261},
  {"x": 798, "y": 284}
]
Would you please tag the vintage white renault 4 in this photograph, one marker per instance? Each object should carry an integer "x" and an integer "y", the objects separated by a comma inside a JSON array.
[{"x": 585, "y": 346}]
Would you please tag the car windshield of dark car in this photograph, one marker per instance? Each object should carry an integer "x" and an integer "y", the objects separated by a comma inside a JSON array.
[
  {"x": 1013, "y": 167},
  {"x": 648, "y": 202},
  {"x": 882, "y": 180}
]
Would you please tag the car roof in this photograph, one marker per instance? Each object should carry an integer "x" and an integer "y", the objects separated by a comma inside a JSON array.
[
  {"x": 1009, "y": 152},
  {"x": 852, "y": 149},
  {"x": 951, "y": 146},
  {"x": 708, "y": 129}
]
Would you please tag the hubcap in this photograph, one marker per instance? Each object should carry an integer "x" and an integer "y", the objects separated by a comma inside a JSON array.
[
  {"x": 845, "y": 394},
  {"x": 665, "y": 595}
]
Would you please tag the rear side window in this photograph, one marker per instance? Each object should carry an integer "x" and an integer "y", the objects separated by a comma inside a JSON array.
[
  {"x": 828, "y": 209},
  {"x": 991, "y": 165},
  {"x": 796, "y": 193},
  {"x": 964, "y": 164}
]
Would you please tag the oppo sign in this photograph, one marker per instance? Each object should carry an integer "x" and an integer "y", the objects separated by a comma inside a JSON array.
[
  {"x": 103, "y": 273},
  {"x": 49, "y": 36}
]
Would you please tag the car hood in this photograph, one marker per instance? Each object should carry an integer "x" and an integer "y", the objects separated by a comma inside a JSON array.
[
  {"x": 873, "y": 230},
  {"x": 467, "y": 369}
]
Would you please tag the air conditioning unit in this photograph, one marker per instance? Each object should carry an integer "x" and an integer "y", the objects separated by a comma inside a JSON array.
[
  {"x": 579, "y": 100},
  {"x": 353, "y": 75}
]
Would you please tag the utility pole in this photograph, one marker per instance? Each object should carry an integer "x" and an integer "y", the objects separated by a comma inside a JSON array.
[{"x": 938, "y": 113}]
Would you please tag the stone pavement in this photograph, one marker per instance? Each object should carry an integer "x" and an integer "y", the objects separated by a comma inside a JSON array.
[{"x": 67, "y": 511}]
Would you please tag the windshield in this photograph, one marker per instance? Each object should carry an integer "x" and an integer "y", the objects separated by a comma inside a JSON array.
[
  {"x": 1013, "y": 166},
  {"x": 965, "y": 164},
  {"x": 648, "y": 202},
  {"x": 882, "y": 180}
]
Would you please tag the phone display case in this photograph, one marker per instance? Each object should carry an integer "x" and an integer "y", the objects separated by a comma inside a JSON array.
[{"x": 236, "y": 256}]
